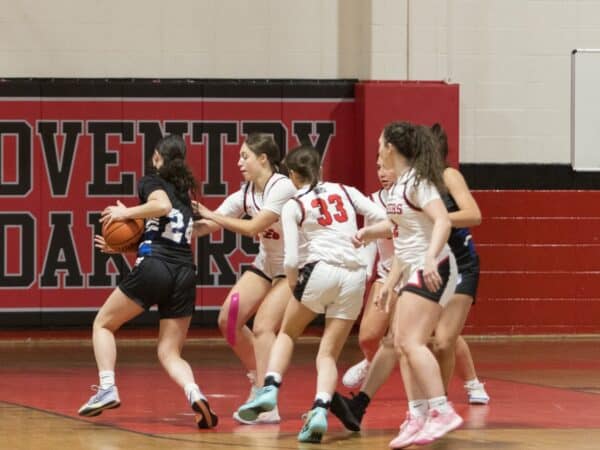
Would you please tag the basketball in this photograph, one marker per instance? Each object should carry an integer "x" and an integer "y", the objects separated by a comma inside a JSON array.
[{"x": 122, "y": 235}]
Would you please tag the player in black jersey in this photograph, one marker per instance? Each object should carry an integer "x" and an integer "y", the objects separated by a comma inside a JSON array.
[
  {"x": 163, "y": 275},
  {"x": 448, "y": 345}
]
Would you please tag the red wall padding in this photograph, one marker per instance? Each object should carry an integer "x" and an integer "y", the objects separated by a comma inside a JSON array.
[{"x": 539, "y": 260}]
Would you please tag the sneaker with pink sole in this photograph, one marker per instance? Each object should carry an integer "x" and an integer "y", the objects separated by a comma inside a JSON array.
[
  {"x": 408, "y": 431},
  {"x": 437, "y": 425}
]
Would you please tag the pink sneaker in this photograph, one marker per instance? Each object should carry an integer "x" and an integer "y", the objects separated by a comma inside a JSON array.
[
  {"x": 408, "y": 431},
  {"x": 437, "y": 425}
]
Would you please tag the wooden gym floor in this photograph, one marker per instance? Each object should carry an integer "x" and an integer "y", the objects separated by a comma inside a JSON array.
[{"x": 545, "y": 395}]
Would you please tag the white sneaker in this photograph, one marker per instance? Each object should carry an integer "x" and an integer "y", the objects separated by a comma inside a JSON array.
[
  {"x": 477, "y": 394},
  {"x": 356, "y": 374},
  {"x": 268, "y": 417}
]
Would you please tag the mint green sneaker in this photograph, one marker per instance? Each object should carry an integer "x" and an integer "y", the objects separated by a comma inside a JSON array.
[
  {"x": 264, "y": 400},
  {"x": 315, "y": 425}
]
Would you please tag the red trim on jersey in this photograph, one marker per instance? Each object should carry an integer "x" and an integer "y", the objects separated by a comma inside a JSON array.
[
  {"x": 301, "y": 210},
  {"x": 276, "y": 181},
  {"x": 408, "y": 202},
  {"x": 246, "y": 187},
  {"x": 264, "y": 191},
  {"x": 347, "y": 195},
  {"x": 380, "y": 197}
]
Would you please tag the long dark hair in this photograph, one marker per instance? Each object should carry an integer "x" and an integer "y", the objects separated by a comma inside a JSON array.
[
  {"x": 419, "y": 146},
  {"x": 440, "y": 134},
  {"x": 306, "y": 162},
  {"x": 174, "y": 169},
  {"x": 263, "y": 143}
]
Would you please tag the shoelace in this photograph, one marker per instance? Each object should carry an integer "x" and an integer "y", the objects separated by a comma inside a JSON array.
[
  {"x": 475, "y": 386},
  {"x": 306, "y": 417},
  {"x": 97, "y": 389}
]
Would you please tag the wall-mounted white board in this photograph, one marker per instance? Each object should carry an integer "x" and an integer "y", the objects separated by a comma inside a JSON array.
[{"x": 585, "y": 109}]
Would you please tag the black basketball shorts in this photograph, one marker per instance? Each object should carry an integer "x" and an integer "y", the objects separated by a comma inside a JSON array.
[{"x": 170, "y": 286}]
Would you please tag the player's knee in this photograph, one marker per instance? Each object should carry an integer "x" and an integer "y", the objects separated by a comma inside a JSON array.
[
  {"x": 222, "y": 320},
  {"x": 166, "y": 354},
  {"x": 443, "y": 344},
  {"x": 368, "y": 340},
  {"x": 262, "y": 328},
  {"x": 102, "y": 322},
  {"x": 404, "y": 346}
]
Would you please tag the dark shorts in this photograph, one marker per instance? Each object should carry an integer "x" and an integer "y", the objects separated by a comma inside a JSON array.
[
  {"x": 157, "y": 282},
  {"x": 416, "y": 283},
  {"x": 260, "y": 273},
  {"x": 468, "y": 279}
]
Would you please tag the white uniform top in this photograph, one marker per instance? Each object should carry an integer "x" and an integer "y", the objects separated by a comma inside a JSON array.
[
  {"x": 413, "y": 228},
  {"x": 384, "y": 248},
  {"x": 278, "y": 190},
  {"x": 325, "y": 218}
]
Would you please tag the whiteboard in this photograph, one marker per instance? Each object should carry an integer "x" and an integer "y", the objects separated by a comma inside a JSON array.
[{"x": 585, "y": 109}]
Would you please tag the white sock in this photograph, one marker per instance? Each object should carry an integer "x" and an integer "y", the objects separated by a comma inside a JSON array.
[
  {"x": 107, "y": 378},
  {"x": 440, "y": 403},
  {"x": 418, "y": 408},
  {"x": 193, "y": 392},
  {"x": 276, "y": 376},
  {"x": 324, "y": 397},
  {"x": 472, "y": 383}
]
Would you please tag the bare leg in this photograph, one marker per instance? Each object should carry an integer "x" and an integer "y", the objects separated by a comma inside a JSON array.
[
  {"x": 414, "y": 321},
  {"x": 266, "y": 324},
  {"x": 171, "y": 338},
  {"x": 251, "y": 288},
  {"x": 373, "y": 325},
  {"x": 447, "y": 332},
  {"x": 117, "y": 310},
  {"x": 295, "y": 320},
  {"x": 333, "y": 340},
  {"x": 464, "y": 361}
]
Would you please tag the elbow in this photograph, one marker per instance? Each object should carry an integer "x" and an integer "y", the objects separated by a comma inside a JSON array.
[
  {"x": 164, "y": 208},
  {"x": 477, "y": 219},
  {"x": 251, "y": 231}
]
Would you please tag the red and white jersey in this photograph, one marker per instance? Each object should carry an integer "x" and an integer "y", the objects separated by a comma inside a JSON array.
[
  {"x": 413, "y": 228},
  {"x": 278, "y": 190},
  {"x": 325, "y": 218},
  {"x": 385, "y": 247}
]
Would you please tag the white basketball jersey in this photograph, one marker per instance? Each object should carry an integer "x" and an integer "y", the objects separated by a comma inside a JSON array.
[
  {"x": 385, "y": 247},
  {"x": 413, "y": 228},
  {"x": 278, "y": 190},
  {"x": 326, "y": 219}
]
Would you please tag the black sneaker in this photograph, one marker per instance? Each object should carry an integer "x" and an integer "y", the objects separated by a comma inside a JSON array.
[
  {"x": 205, "y": 417},
  {"x": 346, "y": 411}
]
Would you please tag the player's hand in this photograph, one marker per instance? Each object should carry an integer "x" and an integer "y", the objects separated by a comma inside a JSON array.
[
  {"x": 113, "y": 213},
  {"x": 358, "y": 239},
  {"x": 292, "y": 278},
  {"x": 200, "y": 210},
  {"x": 431, "y": 276},
  {"x": 383, "y": 299},
  {"x": 100, "y": 243}
]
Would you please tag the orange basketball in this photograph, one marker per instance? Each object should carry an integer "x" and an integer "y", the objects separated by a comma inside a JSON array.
[{"x": 122, "y": 235}]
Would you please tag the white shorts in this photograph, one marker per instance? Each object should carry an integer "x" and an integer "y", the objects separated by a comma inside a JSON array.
[
  {"x": 269, "y": 267},
  {"x": 334, "y": 291},
  {"x": 382, "y": 273}
]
